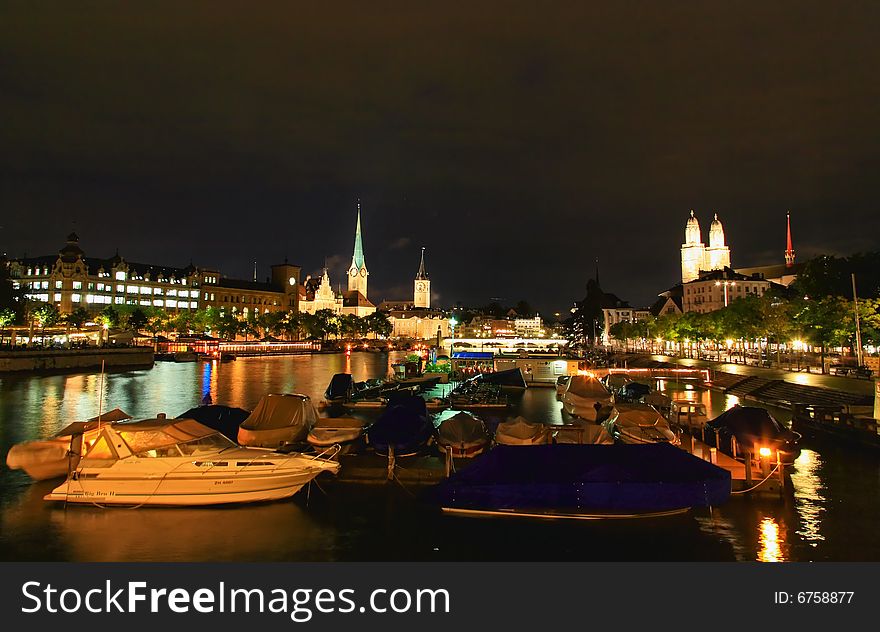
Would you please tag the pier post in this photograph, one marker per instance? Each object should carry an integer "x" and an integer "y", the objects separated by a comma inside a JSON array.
[
  {"x": 448, "y": 461},
  {"x": 781, "y": 472},
  {"x": 693, "y": 444},
  {"x": 390, "y": 462},
  {"x": 733, "y": 447},
  {"x": 765, "y": 466},
  {"x": 748, "y": 469},
  {"x": 713, "y": 456}
]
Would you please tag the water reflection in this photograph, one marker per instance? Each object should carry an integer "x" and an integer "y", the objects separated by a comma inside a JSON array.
[
  {"x": 768, "y": 540},
  {"x": 809, "y": 496}
]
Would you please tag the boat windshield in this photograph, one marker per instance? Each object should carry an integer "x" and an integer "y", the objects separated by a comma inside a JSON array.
[{"x": 210, "y": 444}]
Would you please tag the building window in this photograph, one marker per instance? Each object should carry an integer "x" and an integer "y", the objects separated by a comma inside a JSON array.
[
  {"x": 120, "y": 276},
  {"x": 57, "y": 298},
  {"x": 58, "y": 285},
  {"x": 170, "y": 302},
  {"x": 76, "y": 298},
  {"x": 158, "y": 302},
  {"x": 77, "y": 285},
  {"x": 146, "y": 290}
]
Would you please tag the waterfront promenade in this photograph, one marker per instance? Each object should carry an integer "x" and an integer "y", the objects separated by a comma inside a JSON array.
[{"x": 856, "y": 386}]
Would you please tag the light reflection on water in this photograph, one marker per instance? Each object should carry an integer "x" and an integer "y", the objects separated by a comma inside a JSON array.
[{"x": 832, "y": 495}]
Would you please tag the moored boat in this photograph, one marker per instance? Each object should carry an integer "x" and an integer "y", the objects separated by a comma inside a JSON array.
[
  {"x": 342, "y": 431},
  {"x": 755, "y": 431},
  {"x": 585, "y": 396},
  {"x": 463, "y": 434},
  {"x": 583, "y": 482},
  {"x": 55, "y": 457},
  {"x": 520, "y": 431},
  {"x": 403, "y": 427},
  {"x": 224, "y": 419},
  {"x": 583, "y": 432},
  {"x": 639, "y": 423},
  {"x": 180, "y": 462},
  {"x": 278, "y": 419}
]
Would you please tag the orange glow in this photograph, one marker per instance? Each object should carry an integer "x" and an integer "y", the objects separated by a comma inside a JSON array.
[{"x": 768, "y": 539}]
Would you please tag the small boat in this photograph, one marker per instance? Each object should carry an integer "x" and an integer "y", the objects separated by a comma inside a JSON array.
[
  {"x": 340, "y": 389},
  {"x": 639, "y": 423},
  {"x": 180, "y": 462},
  {"x": 224, "y": 419},
  {"x": 756, "y": 431},
  {"x": 329, "y": 431},
  {"x": 562, "y": 384},
  {"x": 582, "y": 432},
  {"x": 615, "y": 381},
  {"x": 56, "y": 457},
  {"x": 436, "y": 404},
  {"x": 225, "y": 356},
  {"x": 687, "y": 413},
  {"x": 851, "y": 425},
  {"x": 279, "y": 419},
  {"x": 585, "y": 396},
  {"x": 403, "y": 427},
  {"x": 658, "y": 400},
  {"x": 632, "y": 392},
  {"x": 520, "y": 431},
  {"x": 463, "y": 434},
  {"x": 583, "y": 482},
  {"x": 510, "y": 378},
  {"x": 184, "y": 356}
]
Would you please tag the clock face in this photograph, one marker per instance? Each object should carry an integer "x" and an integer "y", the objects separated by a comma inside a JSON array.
[
  {"x": 420, "y": 287},
  {"x": 363, "y": 272},
  {"x": 292, "y": 280},
  {"x": 353, "y": 272}
]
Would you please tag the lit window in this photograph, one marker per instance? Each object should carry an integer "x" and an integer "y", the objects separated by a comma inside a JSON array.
[
  {"x": 30, "y": 271},
  {"x": 171, "y": 292},
  {"x": 145, "y": 303},
  {"x": 170, "y": 302},
  {"x": 183, "y": 293},
  {"x": 90, "y": 298},
  {"x": 100, "y": 287},
  {"x": 118, "y": 300},
  {"x": 157, "y": 302},
  {"x": 157, "y": 290},
  {"x": 57, "y": 285},
  {"x": 120, "y": 276},
  {"x": 57, "y": 298},
  {"x": 44, "y": 285},
  {"x": 146, "y": 290},
  {"x": 77, "y": 285},
  {"x": 76, "y": 298}
]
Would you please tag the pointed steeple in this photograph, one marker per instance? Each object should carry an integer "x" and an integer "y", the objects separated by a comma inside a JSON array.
[
  {"x": 357, "y": 259},
  {"x": 422, "y": 274},
  {"x": 789, "y": 247}
]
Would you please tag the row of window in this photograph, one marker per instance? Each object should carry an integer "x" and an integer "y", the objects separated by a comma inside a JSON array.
[{"x": 120, "y": 275}]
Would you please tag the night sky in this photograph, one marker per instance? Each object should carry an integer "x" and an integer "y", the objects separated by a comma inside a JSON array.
[{"x": 515, "y": 142}]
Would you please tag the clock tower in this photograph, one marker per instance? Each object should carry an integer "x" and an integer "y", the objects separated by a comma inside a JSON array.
[
  {"x": 357, "y": 272},
  {"x": 422, "y": 285}
]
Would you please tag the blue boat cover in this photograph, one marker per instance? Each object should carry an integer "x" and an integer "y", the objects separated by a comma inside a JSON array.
[
  {"x": 224, "y": 419},
  {"x": 404, "y": 425},
  {"x": 585, "y": 479},
  {"x": 340, "y": 387}
]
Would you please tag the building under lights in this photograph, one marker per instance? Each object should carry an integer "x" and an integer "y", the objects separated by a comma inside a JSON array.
[
  {"x": 71, "y": 280},
  {"x": 416, "y": 319}
]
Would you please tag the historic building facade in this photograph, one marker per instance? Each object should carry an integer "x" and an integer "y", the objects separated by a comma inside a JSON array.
[{"x": 71, "y": 280}]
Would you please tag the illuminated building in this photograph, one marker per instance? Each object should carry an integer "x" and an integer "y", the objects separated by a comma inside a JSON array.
[
  {"x": 71, "y": 280},
  {"x": 696, "y": 257}
]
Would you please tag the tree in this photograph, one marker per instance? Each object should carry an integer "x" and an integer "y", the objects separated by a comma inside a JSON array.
[
  {"x": 137, "y": 319},
  {"x": 109, "y": 316},
  {"x": 378, "y": 324},
  {"x": 77, "y": 318},
  {"x": 824, "y": 322},
  {"x": 45, "y": 315}
]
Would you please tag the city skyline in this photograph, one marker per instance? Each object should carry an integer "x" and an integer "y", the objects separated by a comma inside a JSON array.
[{"x": 515, "y": 147}]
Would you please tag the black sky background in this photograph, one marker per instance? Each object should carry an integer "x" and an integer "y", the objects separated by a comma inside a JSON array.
[{"x": 516, "y": 141}]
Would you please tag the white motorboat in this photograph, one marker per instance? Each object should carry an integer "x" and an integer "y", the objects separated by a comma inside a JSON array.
[
  {"x": 639, "y": 423},
  {"x": 57, "y": 456},
  {"x": 463, "y": 434},
  {"x": 279, "y": 419},
  {"x": 180, "y": 462},
  {"x": 585, "y": 396},
  {"x": 688, "y": 413},
  {"x": 520, "y": 431}
]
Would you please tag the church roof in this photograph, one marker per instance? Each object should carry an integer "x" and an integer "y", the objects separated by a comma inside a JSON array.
[
  {"x": 422, "y": 274},
  {"x": 354, "y": 298}
]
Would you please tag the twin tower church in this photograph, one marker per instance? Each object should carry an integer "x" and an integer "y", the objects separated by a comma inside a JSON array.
[{"x": 319, "y": 293}]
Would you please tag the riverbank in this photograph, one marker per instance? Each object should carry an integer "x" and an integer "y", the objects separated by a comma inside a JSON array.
[{"x": 75, "y": 360}]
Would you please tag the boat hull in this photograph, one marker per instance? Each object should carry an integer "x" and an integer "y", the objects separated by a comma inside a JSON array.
[{"x": 43, "y": 460}]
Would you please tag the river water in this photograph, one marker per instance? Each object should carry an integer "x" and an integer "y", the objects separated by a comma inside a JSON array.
[{"x": 833, "y": 515}]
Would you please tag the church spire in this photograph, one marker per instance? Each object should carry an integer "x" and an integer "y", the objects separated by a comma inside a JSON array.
[
  {"x": 357, "y": 259},
  {"x": 422, "y": 274},
  {"x": 789, "y": 247}
]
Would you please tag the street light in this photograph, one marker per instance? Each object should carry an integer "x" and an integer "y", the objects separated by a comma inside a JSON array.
[
  {"x": 452, "y": 323},
  {"x": 725, "y": 284}
]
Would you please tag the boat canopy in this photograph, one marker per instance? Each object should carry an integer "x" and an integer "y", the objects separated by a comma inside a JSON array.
[
  {"x": 639, "y": 415},
  {"x": 280, "y": 410},
  {"x": 224, "y": 419},
  {"x": 520, "y": 431},
  {"x": 586, "y": 478},
  {"x": 341, "y": 387},
  {"x": 748, "y": 423},
  {"x": 587, "y": 386},
  {"x": 152, "y": 434},
  {"x": 462, "y": 428},
  {"x": 635, "y": 390}
]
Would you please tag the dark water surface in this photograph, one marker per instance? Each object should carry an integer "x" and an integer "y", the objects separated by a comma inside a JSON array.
[{"x": 833, "y": 515}]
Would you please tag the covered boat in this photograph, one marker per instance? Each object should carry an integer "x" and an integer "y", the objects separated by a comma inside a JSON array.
[
  {"x": 583, "y": 432},
  {"x": 585, "y": 396},
  {"x": 755, "y": 430},
  {"x": 342, "y": 431},
  {"x": 224, "y": 419},
  {"x": 340, "y": 389},
  {"x": 403, "y": 427},
  {"x": 520, "y": 431},
  {"x": 633, "y": 391},
  {"x": 57, "y": 456},
  {"x": 180, "y": 462},
  {"x": 464, "y": 434},
  {"x": 562, "y": 384},
  {"x": 639, "y": 423},
  {"x": 279, "y": 419},
  {"x": 512, "y": 378},
  {"x": 584, "y": 481}
]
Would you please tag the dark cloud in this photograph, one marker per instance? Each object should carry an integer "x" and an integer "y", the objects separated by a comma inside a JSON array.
[{"x": 515, "y": 142}]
